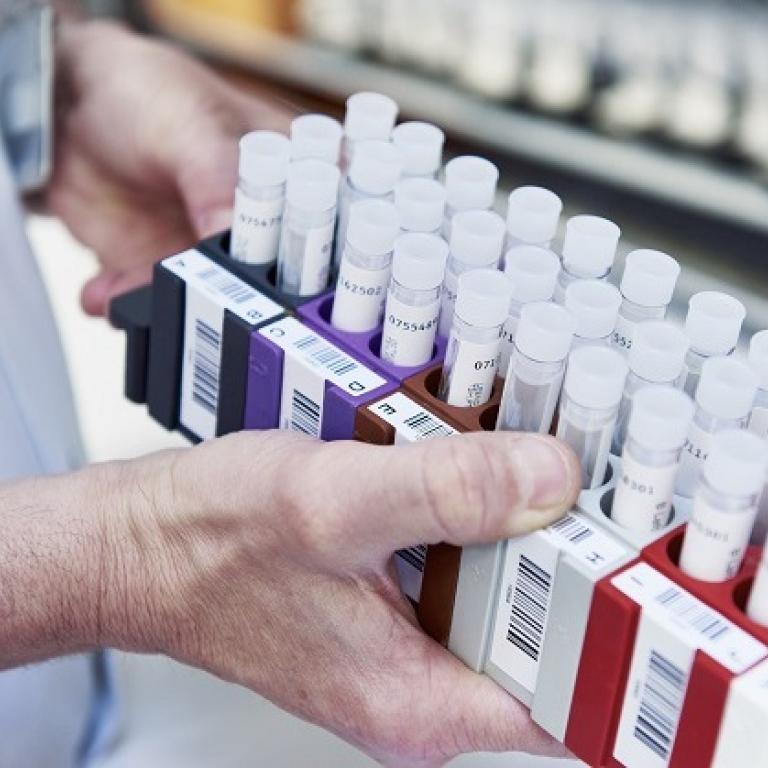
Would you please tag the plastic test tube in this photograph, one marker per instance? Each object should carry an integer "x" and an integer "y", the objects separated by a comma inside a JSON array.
[
  {"x": 369, "y": 117},
  {"x": 724, "y": 398},
  {"x": 533, "y": 215},
  {"x": 365, "y": 266},
  {"x": 259, "y": 197},
  {"x": 421, "y": 145},
  {"x": 316, "y": 137},
  {"x": 476, "y": 241},
  {"x": 757, "y": 604},
  {"x": 713, "y": 324},
  {"x": 471, "y": 184},
  {"x": 413, "y": 299},
  {"x": 594, "y": 305},
  {"x": 374, "y": 172},
  {"x": 535, "y": 375},
  {"x": 420, "y": 205},
  {"x": 656, "y": 356},
  {"x": 647, "y": 286},
  {"x": 589, "y": 250},
  {"x": 533, "y": 272},
  {"x": 589, "y": 405},
  {"x": 658, "y": 426},
  {"x": 472, "y": 357},
  {"x": 724, "y": 506},
  {"x": 758, "y": 360},
  {"x": 307, "y": 234}
]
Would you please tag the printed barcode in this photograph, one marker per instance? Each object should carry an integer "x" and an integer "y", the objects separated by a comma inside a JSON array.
[
  {"x": 426, "y": 426},
  {"x": 693, "y": 613},
  {"x": 415, "y": 556},
  {"x": 205, "y": 371},
  {"x": 662, "y": 699},
  {"x": 325, "y": 355},
  {"x": 230, "y": 286},
  {"x": 572, "y": 529},
  {"x": 305, "y": 414},
  {"x": 530, "y": 600}
]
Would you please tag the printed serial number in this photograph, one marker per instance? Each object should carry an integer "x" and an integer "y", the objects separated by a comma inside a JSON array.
[
  {"x": 409, "y": 326},
  {"x": 360, "y": 290}
]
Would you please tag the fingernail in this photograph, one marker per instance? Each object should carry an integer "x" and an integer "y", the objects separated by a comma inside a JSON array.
[
  {"x": 213, "y": 222},
  {"x": 551, "y": 472}
]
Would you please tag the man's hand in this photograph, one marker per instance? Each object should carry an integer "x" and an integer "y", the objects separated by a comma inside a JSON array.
[{"x": 146, "y": 152}]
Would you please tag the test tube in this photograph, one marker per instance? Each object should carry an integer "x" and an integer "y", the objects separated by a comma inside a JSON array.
[
  {"x": 259, "y": 197},
  {"x": 594, "y": 305},
  {"x": 472, "y": 356},
  {"x": 713, "y": 324},
  {"x": 589, "y": 250},
  {"x": 413, "y": 299},
  {"x": 589, "y": 405},
  {"x": 758, "y": 360},
  {"x": 421, "y": 145},
  {"x": 757, "y": 603},
  {"x": 476, "y": 241},
  {"x": 533, "y": 272},
  {"x": 365, "y": 267},
  {"x": 471, "y": 184},
  {"x": 724, "y": 506},
  {"x": 420, "y": 205},
  {"x": 535, "y": 375},
  {"x": 647, "y": 286},
  {"x": 374, "y": 172},
  {"x": 369, "y": 117},
  {"x": 724, "y": 398},
  {"x": 307, "y": 235},
  {"x": 533, "y": 214},
  {"x": 656, "y": 356},
  {"x": 316, "y": 137},
  {"x": 658, "y": 426}
]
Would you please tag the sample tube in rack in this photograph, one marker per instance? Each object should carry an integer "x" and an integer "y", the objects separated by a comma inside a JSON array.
[
  {"x": 533, "y": 215},
  {"x": 535, "y": 375},
  {"x": 724, "y": 506},
  {"x": 533, "y": 272},
  {"x": 373, "y": 173},
  {"x": 369, "y": 117},
  {"x": 758, "y": 360},
  {"x": 365, "y": 267},
  {"x": 420, "y": 205},
  {"x": 476, "y": 241},
  {"x": 306, "y": 239},
  {"x": 658, "y": 427},
  {"x": 259, "y": 197},
  {"x": 421, "y": 145},
  {"x": 413, "y": 299},
  {"x": 471, "y": 184},
  {"x": 472, "y": 356},
  {"x": 316, "y": 137},
  {"x": 647, "y": 286},
  {"x": 589, "y": 250},
  {"x": 724, "y": 398},
  {"x": 757, "y": 604},
  {"x": 713, "y": 324},
  {"x": 657, "y": 356},
  {"x": 594, "y": 305},
  {"x": 589, "y": 405}
]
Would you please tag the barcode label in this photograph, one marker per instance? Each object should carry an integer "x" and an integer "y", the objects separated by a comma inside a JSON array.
[
  {"x": 693, "y": 613},
  {"x": 323, "y": 354},
  {"x": 574, "y": 530},
  {"x": 530, "y": 600},
  {"x": 576, "y": 534},
  {"x": 305, "y": 414},
  {"x": 409, "y": 564},
  {"x": 411, "y": 421},
  {"x": 227, "y": 284},
  {"x": 206, "y": 363}
]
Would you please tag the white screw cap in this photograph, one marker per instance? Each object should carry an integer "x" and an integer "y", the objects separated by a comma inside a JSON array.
[
  {"x": 533, "y": 214},
  {"x": 595, "y": 377},
  {"x": 316, "y": 137},
  {"x": 758, "y": 357},
  {"x": 590, "y": 245},
  {"x": 264, "y": 158},
  {"x": 533, "y": 272},
  {"x": 661, "y": 417},
  {"x": 737, "y": 463},
  {"x": 649, "y": 278},
  {"x": 477, "y": 238},
  {"x": 419, "y": 261},
  {"x": 471, "y": 183},
  {"x": 420, "y": 204},
  {"x": 369, "y": 116},
  {"x": 421, "y": 145},
  {"x": 373, "y": 226},
  {"x": 727, "y": 388},
  {"x": 658, "y": 351},
  {"x": 594, "y": 305},
  {"x": 545, "y": 332},
  {"x": 312, "y": 185},
  {"x": 483, "y": 298},
  {"x": 376, "y": 167},
  {"x": 713, "y": 323}
]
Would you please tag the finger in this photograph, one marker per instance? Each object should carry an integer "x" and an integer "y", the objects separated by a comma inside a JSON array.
[{"x": 99, "y": 291}]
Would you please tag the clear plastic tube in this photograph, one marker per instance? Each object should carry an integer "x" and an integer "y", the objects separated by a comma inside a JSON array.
[{"x": 757, "y": 604}]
